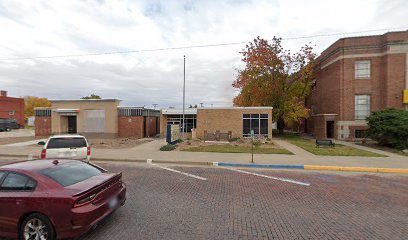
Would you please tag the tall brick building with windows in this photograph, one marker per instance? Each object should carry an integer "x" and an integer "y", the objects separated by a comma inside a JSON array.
[{"x": 357, "y": 76}]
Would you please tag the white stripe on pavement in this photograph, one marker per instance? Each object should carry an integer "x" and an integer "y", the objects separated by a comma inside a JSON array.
[
  {"x": 183, "y": 173},
  {"x": 270, "y": 177}
]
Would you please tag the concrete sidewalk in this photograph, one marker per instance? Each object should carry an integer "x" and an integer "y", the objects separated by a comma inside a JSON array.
[{"x": 150, "y": 150}]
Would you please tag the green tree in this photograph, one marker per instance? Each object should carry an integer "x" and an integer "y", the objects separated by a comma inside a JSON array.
[
  {"x": 31, "y": 102},
  {"x": 389, "y": 127},
  {"x": 276, "y": 77},
  {"x": 92, "y": 96}
]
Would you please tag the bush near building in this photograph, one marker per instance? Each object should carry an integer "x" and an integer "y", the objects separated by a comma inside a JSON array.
[{"x": 389, "y": 127}]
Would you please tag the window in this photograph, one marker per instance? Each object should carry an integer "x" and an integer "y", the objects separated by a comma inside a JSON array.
[
  {"x": 362, "y": 69},
  {"x": 71, "y": 173},
  {"x": 189, "y": 119},
  {"x": 361, "y": 107},
  {"x": 12, "y": 112},
  {"x": 66, "y": 143},
  {"x": 256, "y": 122},
  {"x": 360, "y": 133},
  {"x": 17, "y": 182}
]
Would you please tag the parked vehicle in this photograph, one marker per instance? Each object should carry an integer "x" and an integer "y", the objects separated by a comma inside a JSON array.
[
  {"x": 69, "y": 146},
  {"x": 8, "y": 124},
  {"x": 50, "y": 199}
]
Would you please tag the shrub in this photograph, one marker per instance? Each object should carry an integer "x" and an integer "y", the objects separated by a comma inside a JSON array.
[
  {"x": 389, "y": 127},
  {"x": 179, "y": 140},
  {"x": 234, "y": 139},
  {"x": 257, "y": 143},
  {"x": 168, "y": 147}
]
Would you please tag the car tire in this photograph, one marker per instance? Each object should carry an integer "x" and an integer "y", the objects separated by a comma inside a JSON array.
[
  {"x": 8, "y": 129},
  {"x": 37, "y": 223}
]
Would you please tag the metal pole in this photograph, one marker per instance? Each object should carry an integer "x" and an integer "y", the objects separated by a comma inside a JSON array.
[
  {"x": 184, "y": 96},
  {"x": 252, "y": 143}
]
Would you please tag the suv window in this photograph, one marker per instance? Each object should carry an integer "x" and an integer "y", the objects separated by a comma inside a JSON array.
[
  {"x": 17, "y": 182},
  {"x": 71, "y": 173},
  {"x": 77, "y": 142}
]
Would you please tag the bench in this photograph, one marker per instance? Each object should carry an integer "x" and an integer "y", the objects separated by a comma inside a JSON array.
[{"x": 324, "y": 142}]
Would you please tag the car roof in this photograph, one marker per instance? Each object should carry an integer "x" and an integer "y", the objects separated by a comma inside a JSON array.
[
  {"x": 36, "y": 165},
  {"x": 67, "y": 136}
]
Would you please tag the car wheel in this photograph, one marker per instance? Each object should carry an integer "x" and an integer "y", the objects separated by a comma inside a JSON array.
[
  {"x": 37, "y": 226},
  {"x": 8, "y": 129}
]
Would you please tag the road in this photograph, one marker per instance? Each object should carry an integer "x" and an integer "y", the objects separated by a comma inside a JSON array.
[{"x": 181, "y": 202}]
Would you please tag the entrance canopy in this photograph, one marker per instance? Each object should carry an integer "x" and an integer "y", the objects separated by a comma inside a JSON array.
[{"x": 67, "y": 112}]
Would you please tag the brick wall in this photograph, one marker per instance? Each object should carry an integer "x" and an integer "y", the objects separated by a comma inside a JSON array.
[
  {"x": 131, "y": 127},
  {"x": 336, "y": 85},
  {"x": 42, "y": 126},
  {"x": 227, "y": 120},
  {"x": 153, "y": 127},
  {"x": 8, "y": 104},
  {"x": 137, "y": 127}
]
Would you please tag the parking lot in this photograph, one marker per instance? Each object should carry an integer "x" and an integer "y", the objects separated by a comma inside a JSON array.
[{"x": 180, "y": 202}]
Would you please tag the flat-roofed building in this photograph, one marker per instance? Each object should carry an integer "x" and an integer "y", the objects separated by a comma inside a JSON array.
[
  {"x": 101, "y": 118},
  {"x": 356, "y": 76},
  {"x": 215, "y": 123}
]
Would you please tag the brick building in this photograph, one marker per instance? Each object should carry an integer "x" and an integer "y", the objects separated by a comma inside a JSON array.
[
  {"x": 12, "y": 108},
  {"x": 356, "y": 76},
  {"x": 219, "y": 123},
  {"x": 101, "y": 118}
]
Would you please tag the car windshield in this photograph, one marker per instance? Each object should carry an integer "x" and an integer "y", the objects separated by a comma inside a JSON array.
[
  {"x": 70, "y": 173},
  {"x": 76, "y": 142}
]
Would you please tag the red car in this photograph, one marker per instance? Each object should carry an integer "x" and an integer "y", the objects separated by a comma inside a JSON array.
[{"x": 50, "y": 199}]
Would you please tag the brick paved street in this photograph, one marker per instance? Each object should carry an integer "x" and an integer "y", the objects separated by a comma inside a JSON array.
[{"x": 233, "y": 205}]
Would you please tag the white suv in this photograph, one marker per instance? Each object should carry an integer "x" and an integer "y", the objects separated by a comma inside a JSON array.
[{"x": 70, "y": 146}]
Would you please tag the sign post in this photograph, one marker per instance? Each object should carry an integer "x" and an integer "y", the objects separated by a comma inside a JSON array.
[{"x": 252, "y": 145}]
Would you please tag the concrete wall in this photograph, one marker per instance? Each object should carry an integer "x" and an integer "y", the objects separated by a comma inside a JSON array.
[{"x": 60, "y": 123}]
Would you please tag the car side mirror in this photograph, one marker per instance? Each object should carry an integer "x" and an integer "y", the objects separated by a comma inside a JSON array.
[{"x": 42, "y": 143}]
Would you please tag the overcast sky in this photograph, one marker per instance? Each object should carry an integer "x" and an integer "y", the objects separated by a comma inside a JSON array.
[{"x": 48, "y": 28}]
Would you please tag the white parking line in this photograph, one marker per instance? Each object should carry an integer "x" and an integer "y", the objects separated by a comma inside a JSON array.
[
  {"x": 183, "y": 173},
  {"x": 275, "y": 178}
]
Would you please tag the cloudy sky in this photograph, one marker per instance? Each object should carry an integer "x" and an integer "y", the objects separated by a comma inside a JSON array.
[{"x": 56, "y": 28}]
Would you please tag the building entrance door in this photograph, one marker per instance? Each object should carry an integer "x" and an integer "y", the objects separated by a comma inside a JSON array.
[
  {"x": 330, "y": 129},
  {"x": 72, "y": 124}
]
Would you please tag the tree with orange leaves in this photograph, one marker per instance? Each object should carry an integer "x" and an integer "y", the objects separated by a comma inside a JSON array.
[{"x": 276, "y": 77}]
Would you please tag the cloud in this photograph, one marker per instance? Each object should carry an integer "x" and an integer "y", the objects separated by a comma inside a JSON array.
[{"x": 44, "y": 28}]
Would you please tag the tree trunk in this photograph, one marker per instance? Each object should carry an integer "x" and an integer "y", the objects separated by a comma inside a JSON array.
[{"x": 281, "y": 125}]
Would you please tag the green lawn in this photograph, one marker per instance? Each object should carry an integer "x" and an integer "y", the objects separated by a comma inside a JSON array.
[
  {"x": 237, "y": 149},
  {"x": 339, "y": 150}
]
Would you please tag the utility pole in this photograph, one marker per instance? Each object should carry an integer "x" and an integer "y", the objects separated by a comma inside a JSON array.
[{"x": 184, "y": 96}]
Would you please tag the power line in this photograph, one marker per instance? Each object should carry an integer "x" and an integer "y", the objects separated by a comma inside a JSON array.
[{"x": 192, "y": 46}]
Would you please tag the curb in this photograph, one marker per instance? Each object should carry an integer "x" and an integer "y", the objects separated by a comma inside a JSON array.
[
  {"x": 315, "y": 167},
  {"x": 253, "y": 165},
  {"x": 250, "y": 165}
]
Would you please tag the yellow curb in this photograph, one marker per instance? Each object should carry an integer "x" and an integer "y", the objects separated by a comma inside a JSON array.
[
  {"x": 328, "y": 168},
  {"x": 356, "y": 169},
  {"x": 392, "y": 170}
]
